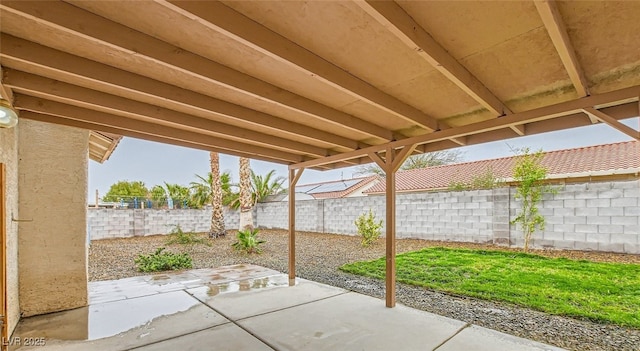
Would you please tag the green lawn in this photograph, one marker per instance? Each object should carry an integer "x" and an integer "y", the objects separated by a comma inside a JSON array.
[{"x": 605, "y": 292}]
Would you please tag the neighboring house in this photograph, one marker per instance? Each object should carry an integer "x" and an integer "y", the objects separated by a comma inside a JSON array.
[
  {"x": 338, "y": 188},
  {"x": 617, "y": 161}
]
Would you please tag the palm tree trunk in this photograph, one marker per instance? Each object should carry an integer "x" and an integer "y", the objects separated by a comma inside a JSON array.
[
  {"x": 246, "y": 204},
  {"x": 217, "y": 215}
]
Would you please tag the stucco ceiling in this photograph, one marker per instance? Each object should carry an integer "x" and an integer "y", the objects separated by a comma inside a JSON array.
[{"x": 322, "y": 84}]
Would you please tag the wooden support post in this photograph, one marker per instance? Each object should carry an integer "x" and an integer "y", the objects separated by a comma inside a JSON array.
[
  {"x": 390, "y": 165},
  {"x": 293, "y": 179},
  {"x": 390, "y": 286}
]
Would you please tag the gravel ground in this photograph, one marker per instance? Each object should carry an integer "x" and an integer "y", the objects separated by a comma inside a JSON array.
[{"x": 319, "y": 256}]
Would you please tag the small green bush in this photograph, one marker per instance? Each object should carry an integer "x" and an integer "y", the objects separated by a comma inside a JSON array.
[
  {"x": 163, "y": 261},
  {"x": 248, "y": 241},
  {"x": 368, "y": 228},
  {"x": 177, "y": 236}
]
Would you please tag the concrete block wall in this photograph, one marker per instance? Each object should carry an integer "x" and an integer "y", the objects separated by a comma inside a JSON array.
[
  {"x": 591, "y": 216},
  {"x": 600, "y": 216},
  {"x": 108, "y": 223}
]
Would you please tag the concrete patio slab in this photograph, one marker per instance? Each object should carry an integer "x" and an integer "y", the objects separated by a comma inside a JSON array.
[
  {"x": 120, "y": 325},
  {"x": 246, "y": 307},
  {"x": 228, "y": 337},
  {"x": 262, "y": 295},
  {"x": 483, "y": 339},
  {"x": 352, "y": 322},
  {"x": 113, "y": 290}
]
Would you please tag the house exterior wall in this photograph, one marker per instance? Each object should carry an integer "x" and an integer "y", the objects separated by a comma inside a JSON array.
[
  {"x": 9, "y": 156},
  {"x": 52, "y": 184},
  {"x": 590, "y": 216}
]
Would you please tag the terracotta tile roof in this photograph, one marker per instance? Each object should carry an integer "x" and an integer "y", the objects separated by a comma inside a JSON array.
[
  {"x": 336, "y": 188},
  {"x": 593, "y": 160}
]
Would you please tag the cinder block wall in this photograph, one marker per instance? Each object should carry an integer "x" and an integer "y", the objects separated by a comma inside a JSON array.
[
  {"x": 52, "y": 248},
  {"x": 589, "y": 216},
  {"x": 108, "y": 223},
  {"x": 592, "y": 216}
]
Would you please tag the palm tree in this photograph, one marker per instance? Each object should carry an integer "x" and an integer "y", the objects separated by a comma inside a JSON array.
[
  {"x": 264, "y": 186},
  {"x": 246, "y": 203},
  {"x": 217, "y": 215},
  {"x": 201, "y": 190}
]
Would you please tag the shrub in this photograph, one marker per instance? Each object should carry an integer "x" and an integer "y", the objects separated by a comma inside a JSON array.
[
  {"x": 177, "y": 236},
  {"x": 248, "y": 241},
  {"x": 163, "y": 261},
  {"x": 368, "y": 228}
]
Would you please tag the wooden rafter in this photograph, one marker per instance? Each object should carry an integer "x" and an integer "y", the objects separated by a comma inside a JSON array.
[
  {"x": 119, "y": 38},
  {"x": 66, "y": 67},
  {"x": 614, "y": 123},
  {"x": 405, "y": 28},
  {"x": 35, "y": 116},
  {"x": 622, "y": 96},
  {"x": 58, "y": 91},
  {"x": 29, "y": 103},
  {"x": 229, "y": 22},
  {"x": 554, "y": 24}
]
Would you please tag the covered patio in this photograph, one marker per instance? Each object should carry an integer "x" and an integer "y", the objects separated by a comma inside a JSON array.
[
  {"x": 317, "y": 85},
  {"x": 247, "y": 307}
]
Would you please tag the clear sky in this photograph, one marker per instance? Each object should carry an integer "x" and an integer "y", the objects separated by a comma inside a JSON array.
[{"x": 154, "y": 163}]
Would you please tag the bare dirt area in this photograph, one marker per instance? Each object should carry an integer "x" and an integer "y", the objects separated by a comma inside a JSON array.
[{"x": 319, "y": 256}]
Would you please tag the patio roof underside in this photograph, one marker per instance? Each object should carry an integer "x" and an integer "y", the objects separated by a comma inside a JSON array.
[{"x": 322, "y": 84}]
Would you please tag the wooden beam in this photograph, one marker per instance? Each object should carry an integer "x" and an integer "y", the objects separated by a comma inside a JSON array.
[
  {"x": 25, "y": 102},
  {"x": 519, "y": 129},
  {"x": 294, "y": 176},
  {"x": 55, "y": 90},
  {"x": 610, "y": 99},
  {"x": 119, "y": 38},
  {"x": 404, "y": 27},
  {"x": 5, "y": 92},
  {"x": 462, "y": 141},
  {"x": 603, "y": 117},
  {"x": 227, "y": 21},
  {"x": 97, "y": 76},
  {"x": 41, "y": 117},
  {"x": 554, "y": 24}
]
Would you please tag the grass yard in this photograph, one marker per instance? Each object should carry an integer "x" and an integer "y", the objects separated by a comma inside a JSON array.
[{"x": 604, "y": 292}]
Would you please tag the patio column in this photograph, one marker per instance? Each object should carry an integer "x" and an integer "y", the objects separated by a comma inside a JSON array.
[
  {"x": 390, "y": 164},
  {"x": 294, "y": 176}
]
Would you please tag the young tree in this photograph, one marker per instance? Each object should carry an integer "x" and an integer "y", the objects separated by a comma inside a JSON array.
[
  {"x": 217, "y": 215},
  {"x": 126, "y": 190},
  {"x": 530, "y": 175},
  {"x": 246, "y": 204},
  {"x": 429, "y": 159}
]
